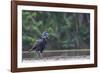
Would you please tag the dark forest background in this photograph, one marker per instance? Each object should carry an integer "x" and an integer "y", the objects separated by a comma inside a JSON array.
[{"x": 66, "y": 30}]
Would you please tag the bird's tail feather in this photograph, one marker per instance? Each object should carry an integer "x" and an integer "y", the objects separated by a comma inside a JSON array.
[{"x": 32, "y": 49}]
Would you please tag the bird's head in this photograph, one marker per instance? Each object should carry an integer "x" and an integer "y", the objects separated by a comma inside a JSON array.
[{"x": 45, "y": 35}]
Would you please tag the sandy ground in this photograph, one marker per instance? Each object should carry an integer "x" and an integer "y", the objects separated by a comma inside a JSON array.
[
  {"x": 56, "y": 58},
  {"x": 57, "y": 55}
]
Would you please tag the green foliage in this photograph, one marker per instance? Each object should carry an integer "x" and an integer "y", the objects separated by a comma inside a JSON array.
[{"x": 66, "y": 30}]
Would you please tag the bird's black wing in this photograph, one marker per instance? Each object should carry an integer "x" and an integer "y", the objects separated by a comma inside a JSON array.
[{"x": 36, "y": 44}]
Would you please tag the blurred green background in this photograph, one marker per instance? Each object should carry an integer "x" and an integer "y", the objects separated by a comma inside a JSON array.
[{"x": 66, "y": 30}]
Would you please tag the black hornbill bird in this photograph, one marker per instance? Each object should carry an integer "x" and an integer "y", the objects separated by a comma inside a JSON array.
[{"x": 40, "y": 44}]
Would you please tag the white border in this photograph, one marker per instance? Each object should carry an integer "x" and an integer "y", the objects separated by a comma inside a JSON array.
[{"x": 51, "y": 62}]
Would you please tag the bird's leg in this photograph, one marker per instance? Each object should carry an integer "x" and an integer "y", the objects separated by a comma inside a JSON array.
[
  {"x": 41, "y": 56},
  {"x": 37, "y": 54}
]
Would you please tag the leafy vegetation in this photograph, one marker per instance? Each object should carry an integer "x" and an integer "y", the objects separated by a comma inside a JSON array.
[{"x": 66, "y": 30}]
